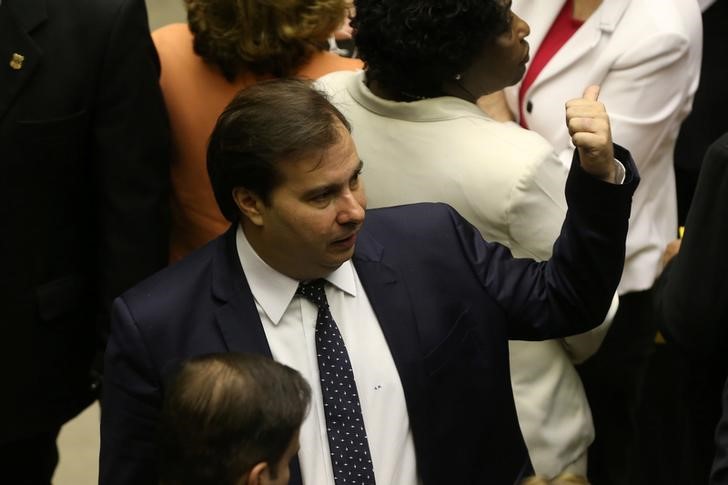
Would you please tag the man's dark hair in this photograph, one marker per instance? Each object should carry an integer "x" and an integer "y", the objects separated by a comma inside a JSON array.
[
  {"x": 224, "y": 413},
  {"x": 411, "y": 47},
  {"x": 267, "y": 123}
]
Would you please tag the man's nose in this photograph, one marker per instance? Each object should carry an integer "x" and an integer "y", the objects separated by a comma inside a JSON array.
[{"x": 351, "y": 209}]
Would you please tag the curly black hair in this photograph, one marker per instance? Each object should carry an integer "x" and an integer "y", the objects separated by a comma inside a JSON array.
[{"x": 411, "y": 47}]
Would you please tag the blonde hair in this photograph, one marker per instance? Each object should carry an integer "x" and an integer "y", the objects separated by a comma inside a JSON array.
[
  {"x": 563, "y": 479},
  {"x": 264, "y": 36}
]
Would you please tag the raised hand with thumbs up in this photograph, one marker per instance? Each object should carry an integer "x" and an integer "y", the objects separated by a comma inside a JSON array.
[{"x": 591, "y": 134}]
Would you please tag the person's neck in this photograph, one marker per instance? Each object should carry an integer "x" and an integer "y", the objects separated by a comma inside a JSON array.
[
  {"x": 583, "y": 9},
  {"x": 382, "y": 92},
  {"x": 456, "y": 89},
  {"x": 450, "y": 88},
  {"x": 403, "y": 96}
]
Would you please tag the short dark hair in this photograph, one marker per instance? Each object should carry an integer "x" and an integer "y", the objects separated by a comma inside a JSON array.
[
  {"x": 413, "y": 46},
  {"x": 224, "y": 413},
  {"x": 267, "y": 123},
  {"x": 262, "y": 37}
]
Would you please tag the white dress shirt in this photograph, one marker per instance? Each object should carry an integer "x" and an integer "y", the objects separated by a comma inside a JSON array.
[{"x": 289, "y": 322}]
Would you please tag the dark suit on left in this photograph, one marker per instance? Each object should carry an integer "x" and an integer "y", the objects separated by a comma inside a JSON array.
[
  {"x": 83, "y": 195},
  {"x": 447, "y": 303}
]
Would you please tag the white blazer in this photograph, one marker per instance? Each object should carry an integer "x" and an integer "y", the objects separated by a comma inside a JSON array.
[{"x": 646, "y": 56}]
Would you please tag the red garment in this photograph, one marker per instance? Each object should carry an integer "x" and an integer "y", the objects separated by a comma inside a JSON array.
[{"x": 561, "y": 30}]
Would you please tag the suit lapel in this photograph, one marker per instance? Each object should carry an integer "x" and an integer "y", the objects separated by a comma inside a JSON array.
[
  {"x": 238, "y": 318},
  {"x": 602, "y": 22},
  {"x": 392, "y": 305},
  {"x": 19, "y": 54}
]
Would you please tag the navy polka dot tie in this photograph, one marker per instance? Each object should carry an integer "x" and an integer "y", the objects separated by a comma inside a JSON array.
[{"x": 348, "y": 444}]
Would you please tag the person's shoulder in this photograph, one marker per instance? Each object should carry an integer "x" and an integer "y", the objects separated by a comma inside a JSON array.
[
  {"x": 715, "y": 163},
  {"x": 104, "y": 10},
  {"x": 335, "y": 81},
  {"x": 676, "y": 19},
  {"x": 410, "y": 217},
  {"x": 91, "y": 15},
  {"x": 719, "y": 146},
  {"x": 659, "y": 8},
  {"x": 172, "y": 36},
  {"x": 325, "y": 62},
  {"x": 413, "y": 230},
  {"x": 181, "y": 281}
]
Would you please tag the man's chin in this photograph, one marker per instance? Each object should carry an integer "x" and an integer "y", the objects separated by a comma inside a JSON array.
[{"x": 336, "y": 260}]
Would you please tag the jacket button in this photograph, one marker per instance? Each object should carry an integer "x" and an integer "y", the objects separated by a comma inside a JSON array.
[{"x": 529, "y": 106}]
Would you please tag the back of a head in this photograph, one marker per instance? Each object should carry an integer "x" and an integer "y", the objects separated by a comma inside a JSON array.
[
  {"x": 414, "y": 45},
  {"x": 265, "y": 37},
  {"x": 224, "y": 413}
]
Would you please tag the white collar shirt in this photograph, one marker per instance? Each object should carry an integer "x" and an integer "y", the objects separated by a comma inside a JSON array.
[{"x": 289, "y": 322}]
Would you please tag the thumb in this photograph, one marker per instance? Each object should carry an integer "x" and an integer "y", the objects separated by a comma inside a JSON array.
[{"x": 591, "y": 93}]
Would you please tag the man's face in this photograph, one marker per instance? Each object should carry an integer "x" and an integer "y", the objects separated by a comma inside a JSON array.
[{"x": 309, "y": 227}]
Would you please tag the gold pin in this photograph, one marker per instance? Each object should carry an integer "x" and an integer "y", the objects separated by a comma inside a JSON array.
[{"x": 16, "y": 62}]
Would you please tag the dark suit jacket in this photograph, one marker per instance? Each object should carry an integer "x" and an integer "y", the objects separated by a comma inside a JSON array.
[
  {"x": 707, "y": 121},
  {"x": 447, "y": 303},
  {"x": 83, "y": 185},
  {"x": 691, "y": 295}
]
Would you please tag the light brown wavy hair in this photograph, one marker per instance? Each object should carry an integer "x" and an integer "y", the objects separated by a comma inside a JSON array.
[{"x": 263, "y": 36}]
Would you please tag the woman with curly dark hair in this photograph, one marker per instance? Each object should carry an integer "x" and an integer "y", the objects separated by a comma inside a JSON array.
[
  {"x": 422, "y": 137},
  {"x": 424, "y": 49},
  {"x": 226, "y": 46}
]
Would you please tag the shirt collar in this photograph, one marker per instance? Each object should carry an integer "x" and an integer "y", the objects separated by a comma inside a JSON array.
[
  {"x": 273, "y": 290},
  {"x": 441, "y": 108}
]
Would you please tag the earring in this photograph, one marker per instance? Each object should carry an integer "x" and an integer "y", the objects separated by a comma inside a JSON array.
[{"x": 458, "y": 76}]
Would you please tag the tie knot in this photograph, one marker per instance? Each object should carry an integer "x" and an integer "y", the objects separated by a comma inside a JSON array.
[{"x": 314, "y": 292}]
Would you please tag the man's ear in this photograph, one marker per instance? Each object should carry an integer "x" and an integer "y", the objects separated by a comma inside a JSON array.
[
  {"x": 249, "y": 204},
  {"x": 257, "y": 474}
]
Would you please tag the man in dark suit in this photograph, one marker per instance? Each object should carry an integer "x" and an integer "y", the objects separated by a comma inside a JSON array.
[
  {"x": 691, "y": 303},
  {"x": 422, "y": 307},
  {"x": 83, "y": 188}
]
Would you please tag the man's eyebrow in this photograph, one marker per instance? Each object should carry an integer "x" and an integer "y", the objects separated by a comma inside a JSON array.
[
  {"x": 329, "y": 187},
  {"x": 322, "y": 189}
]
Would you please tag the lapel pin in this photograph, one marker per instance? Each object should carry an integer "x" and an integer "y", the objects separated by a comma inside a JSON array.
[{"x": 16, "y": 62}]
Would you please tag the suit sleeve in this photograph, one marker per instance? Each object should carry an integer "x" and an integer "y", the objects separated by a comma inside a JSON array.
[
  {"x": 131, "y": 401},
  {"x": 131, "y": 154},
  {"x": 535, "y": 217},
  {"x": 571, "y": 292}
]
